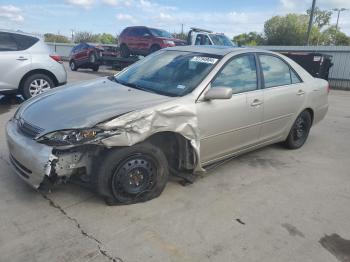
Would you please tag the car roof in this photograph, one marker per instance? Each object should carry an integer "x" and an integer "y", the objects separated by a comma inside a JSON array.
[
  {"x": 214, "y": 50},
  {"x": 19, "y": 33}
]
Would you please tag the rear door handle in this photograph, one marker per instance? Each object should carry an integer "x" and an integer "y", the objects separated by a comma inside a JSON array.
[
  {"x": 301, "y": 92},
  {"x": 256, "y": 102},
  {"x": 21, "y": 58}
]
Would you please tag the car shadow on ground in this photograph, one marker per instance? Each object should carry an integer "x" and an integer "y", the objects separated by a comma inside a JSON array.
[{"x": 7, "y": 102}]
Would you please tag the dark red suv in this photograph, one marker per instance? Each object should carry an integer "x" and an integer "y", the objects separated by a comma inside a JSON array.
[
  {"x": 141, "y": 40},
  {"x": 85, "y": 55}
]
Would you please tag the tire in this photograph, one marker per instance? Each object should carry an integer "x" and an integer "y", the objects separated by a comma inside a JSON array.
[
  {"x": 73, "y": 66},
  {"x": 95, "y": 68},
  {"x": 36, "y": 84},
  {"x": 299, "y": 131},
  {"x": 92, "y": 58},
  {"x": 124, "y": 51},
  {"x": 131, "y": 174},
  {"x": 154, "y": 48}
]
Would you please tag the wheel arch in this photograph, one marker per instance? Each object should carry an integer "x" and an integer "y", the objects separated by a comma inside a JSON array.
[
  {"x": 178, "y": 150},
  {"x": 311, "y": 111},
  {"x": 38, "y": 71}
]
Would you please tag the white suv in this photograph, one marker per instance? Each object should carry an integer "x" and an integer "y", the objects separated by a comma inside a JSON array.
[{"x": 26, "y": 65}]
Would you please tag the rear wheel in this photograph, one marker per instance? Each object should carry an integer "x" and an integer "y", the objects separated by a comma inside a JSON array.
[
  {"x": 124, "y": 51},
  {"x": 36, "y": 84},
  {"x": 299, "y": 131},
  {"x": 132, "y": 174},
  {"x": 95, "y": 68},
  {"x": 73, "y": 66}
]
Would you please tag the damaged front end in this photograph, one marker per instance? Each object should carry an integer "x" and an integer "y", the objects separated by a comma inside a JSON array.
[
  {"x": 48, "y": 160},
  {"x": 60, "y": 155}
]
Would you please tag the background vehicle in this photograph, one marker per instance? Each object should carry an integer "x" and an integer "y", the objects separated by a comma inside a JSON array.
[
  {"x": 318, "y": 65},
  {"x": 85, "y": 55},
  {"x": 198, "y": 106},
  {"x": 197, "y": 36},
  {"x": 142, "y": 40},
  {"x": 26, "y": 65},
  {"x": 110, "y": 51}
]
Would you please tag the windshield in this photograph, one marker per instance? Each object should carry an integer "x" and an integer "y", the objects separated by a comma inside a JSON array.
[
  {"x": 170, "y": 73},
  {"x": 160, "y": 33},
  {"x": 221, "y": 40}
]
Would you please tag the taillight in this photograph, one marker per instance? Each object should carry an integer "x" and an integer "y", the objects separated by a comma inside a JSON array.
[{"x": 57, "y": 58}]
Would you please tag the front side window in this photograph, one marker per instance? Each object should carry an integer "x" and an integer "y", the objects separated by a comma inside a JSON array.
[
  {"x": 171, "y": 73},
  {"x": 240, "y": 74},
  {"x": 7, "y": 43},
  {"x": 160, "y": 33},
  {"x": 198, "y": 39},
  {"x": 221, "y": 40},
  {"x": 276, "y": 72}
]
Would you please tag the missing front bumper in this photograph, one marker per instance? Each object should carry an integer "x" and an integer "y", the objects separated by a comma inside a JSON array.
[{"x": 35, "y": 162}]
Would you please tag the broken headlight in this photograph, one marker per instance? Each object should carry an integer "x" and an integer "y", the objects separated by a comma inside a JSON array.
[{"x": 69, "y": 137}]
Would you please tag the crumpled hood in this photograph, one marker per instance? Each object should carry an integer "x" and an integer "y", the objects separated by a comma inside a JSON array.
[{"x": 85, "y": 104}]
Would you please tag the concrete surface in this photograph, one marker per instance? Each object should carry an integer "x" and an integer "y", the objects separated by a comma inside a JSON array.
[{"x": 269, "y": 205}]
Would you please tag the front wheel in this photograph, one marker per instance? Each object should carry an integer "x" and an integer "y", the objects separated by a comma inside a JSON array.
[
  {"x": 73, "y": 66},
  {"x": 132, "y": 174},
  {"x": 299, "y": 131},
  {"x": 154, "y": 48}
]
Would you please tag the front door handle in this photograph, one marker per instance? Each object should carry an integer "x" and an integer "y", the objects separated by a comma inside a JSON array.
[
  {"x": 256, "y": 102},
  {"x": 21, "y": 58},
  {"x": 301, "y": 92}
]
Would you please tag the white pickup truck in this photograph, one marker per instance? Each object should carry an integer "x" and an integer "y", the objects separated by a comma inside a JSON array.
[{"x": 198, "y": 36}]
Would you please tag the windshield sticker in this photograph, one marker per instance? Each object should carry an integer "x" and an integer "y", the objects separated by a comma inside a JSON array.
[
  {"x": 204, "y": 59},
  {"x": 181, "y": 86}
]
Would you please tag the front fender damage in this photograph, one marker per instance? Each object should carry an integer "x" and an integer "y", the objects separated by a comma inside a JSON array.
[{"x": 137, "y": 126}]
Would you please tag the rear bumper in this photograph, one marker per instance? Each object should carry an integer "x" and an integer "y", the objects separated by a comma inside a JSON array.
[{"x": 31, "y": 160}]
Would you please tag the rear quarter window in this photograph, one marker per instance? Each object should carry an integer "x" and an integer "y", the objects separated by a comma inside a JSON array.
[{"x": 24, "y": 42}]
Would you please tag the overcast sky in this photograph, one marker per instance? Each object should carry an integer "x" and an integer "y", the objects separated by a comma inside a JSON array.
[{"x": 228, "y": 16}]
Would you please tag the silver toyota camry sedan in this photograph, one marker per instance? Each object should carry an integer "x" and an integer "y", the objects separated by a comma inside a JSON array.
[{"x": 174, "y": 112}]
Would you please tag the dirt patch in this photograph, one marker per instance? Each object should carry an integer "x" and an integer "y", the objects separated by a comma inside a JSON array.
[{"x": 337, "y": 246}]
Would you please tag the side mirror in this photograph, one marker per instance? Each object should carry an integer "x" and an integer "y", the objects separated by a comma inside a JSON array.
[{"x": 218, "y": 93}]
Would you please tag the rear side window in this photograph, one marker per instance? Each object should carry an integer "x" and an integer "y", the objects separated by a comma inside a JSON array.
[
  {"x": 240, "y": 74},
  {"x": 277, "y": 72},
  {"x": 7, "y": 42},
  {"x": 24, "y": 42}
]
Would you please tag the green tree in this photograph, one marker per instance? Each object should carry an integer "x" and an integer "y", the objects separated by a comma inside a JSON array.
[
  {"x": 321, "y": 17},
  {"x": 250, "y": 39},
  {"x": 331, "y": 36},
  {"x": 84, "y": 36},
  {"x": 55, "y": 38},
  {"x": 289, "y": 30},
  {"x": 107, "y": 39}
]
